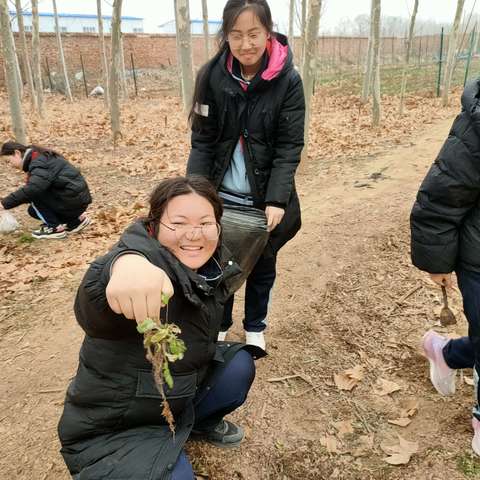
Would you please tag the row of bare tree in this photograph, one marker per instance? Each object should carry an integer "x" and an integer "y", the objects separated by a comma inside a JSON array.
[
  {"x": 371, "y": 79},
  {"x": 113, "y": 76},
  {"x": 307, "y": 13}
]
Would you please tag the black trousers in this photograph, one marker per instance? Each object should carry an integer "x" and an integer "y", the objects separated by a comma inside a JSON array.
[{"x": 53, "y": 218}]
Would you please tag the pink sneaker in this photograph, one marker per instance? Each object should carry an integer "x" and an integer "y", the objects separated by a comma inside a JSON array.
[
  {"x": 476, "y": 436},
  {"x": 441, "y": 375}
]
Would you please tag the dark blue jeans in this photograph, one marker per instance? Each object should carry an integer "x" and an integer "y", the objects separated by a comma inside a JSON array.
[
  {"x": 227, "y": 394},
  {"x": 464, "y": 352},
  {"x": 257, "y": 296}
]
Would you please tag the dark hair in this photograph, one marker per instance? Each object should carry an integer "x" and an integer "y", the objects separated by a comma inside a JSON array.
[
  {"x": 231, "y": 11},
  {"x": 8, "y": 148},
  {"x": 174, "y": 187}
]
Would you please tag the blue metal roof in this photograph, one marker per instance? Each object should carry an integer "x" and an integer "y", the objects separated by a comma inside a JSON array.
[
  {"x": 215, "y": 22},
  {"x": 75, "y": 15}
]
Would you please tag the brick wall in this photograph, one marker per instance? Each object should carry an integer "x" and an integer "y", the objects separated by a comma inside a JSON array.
[{"x": 149, "y": 51}]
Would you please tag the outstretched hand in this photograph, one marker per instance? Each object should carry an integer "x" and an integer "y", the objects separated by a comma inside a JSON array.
[{"x": 136, "y": 288}]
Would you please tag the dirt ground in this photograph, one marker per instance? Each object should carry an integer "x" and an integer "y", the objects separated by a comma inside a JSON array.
[{"x": 347, "y": 316}]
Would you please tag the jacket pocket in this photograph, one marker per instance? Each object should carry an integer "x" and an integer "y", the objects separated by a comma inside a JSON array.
[
  {"x": 145, "y": 408},
  {"x": 183, "y": 386}
]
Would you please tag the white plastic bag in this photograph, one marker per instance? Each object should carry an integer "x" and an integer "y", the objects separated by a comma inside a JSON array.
[{"x": 8, "y": 223}]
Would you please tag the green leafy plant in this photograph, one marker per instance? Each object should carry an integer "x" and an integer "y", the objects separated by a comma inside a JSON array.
[
  {"x": 163, "y": 347},
  {"x": 25, "y": 238}
]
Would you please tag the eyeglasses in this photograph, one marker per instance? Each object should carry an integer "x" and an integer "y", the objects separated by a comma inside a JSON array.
[
  {"x": 210, "y": 231},
  {"x": 252, "y": 39}
]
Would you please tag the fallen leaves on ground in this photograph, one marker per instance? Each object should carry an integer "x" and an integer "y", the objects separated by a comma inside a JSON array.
[
  {"x": 349, "y": 379},
  {"x": 401, "y": 453},
  {"x": 386, "y": 387}
]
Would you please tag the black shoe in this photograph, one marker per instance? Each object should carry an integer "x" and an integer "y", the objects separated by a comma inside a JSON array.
[
  {"x": 225, "y": 435},
  {"x": 49, "y": 232}
]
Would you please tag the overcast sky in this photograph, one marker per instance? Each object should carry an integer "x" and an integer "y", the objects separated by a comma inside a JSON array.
[{"x": 156, "y": 12}]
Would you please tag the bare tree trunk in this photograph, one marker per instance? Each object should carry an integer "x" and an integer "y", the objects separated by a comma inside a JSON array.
[
  {"x": 376, "y": 108},
  {"x": 452, "y": 49},
  {"x": 206, "y": 33},
  {"x": 123, "y": 73},
  {"x": 115, "y": 66},
  {"x": 8, "y": 52},
  {"x": 17, "y": 64},
  {"x": 367, "y": 78},
  {"x": 25, "y": 55},
  {"x": 309, "y": 66},
  {"x": 407, "y": 57},
  {"x": 184, "y": 46},
  {"x": 477, "y": 36},
  {"x": 303, "y": 33},
  {"x": 103, "y": 52},
  {"x": 68, "y": 92},
  {"x": 291, "y": 25},
  {"x": 37, "y": 69}
]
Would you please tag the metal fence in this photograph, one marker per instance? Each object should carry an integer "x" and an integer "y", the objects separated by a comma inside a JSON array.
[{"x": 341, "y": 62}]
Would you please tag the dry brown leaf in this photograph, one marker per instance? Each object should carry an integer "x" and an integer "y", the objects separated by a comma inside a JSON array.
[
  {"x": 398, "y": 459},
  {"x": 409, "y": 407},
  {"x": 330, "y": 443},
  {"x": 401, "y": 422},
  {"x": 386, "y": 387},
  {"x": 348, "y": 379},
  {"x": 400, "y": 454},
  {"x": 343, "y": 427}
]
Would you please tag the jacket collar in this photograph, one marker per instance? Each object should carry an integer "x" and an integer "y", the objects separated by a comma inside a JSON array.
[{"x": 27, "y": 158}]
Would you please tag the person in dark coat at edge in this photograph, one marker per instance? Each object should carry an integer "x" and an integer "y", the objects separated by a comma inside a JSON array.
[
  {"x": 57, "y": 192},
  {"x": 112, "y": 425},
  {"x": 445, "y": 237},
  {"x": 247, "y": 118}
]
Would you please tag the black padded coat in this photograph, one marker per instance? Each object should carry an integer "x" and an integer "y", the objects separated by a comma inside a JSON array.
[
  {"x": 112, "y": 427},
  {"x": 445, "y": 219},
  {"x": 53, "y": 182}
]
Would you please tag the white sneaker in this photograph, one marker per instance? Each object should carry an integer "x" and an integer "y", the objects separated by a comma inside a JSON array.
[
  {"x": 441, "y": 375},
  {"x": 221, "y": 336},
  {"x": 476, "y": 436},
  {"x": 255, "y": 338}
]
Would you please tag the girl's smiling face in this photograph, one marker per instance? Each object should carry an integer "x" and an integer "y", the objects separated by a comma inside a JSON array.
[
  {"x": 248, "y": 39},
  {"x": 189, "y": 230}
]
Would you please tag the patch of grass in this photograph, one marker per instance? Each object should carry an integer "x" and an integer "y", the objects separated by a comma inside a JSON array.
[
  {"x": 469, "y": 465},
  {"x": 25, "y": 239}
]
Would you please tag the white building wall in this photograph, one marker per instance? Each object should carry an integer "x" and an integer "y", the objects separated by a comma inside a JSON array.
[
  {"x": 196, "y": 27},
  {"x": 77, "y": 24}
]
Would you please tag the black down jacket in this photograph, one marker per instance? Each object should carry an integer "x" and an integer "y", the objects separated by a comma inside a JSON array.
[
  {"x": 270, "y": 116},
  {"x": 445, "y": 219},
  {"x": 53, "y": 182},
  {"x": 112, "y": 427}
]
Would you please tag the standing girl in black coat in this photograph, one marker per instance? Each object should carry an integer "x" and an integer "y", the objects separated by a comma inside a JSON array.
[
  {"x": 247, "y": 137},
  {"x": 56, "y": 191}
]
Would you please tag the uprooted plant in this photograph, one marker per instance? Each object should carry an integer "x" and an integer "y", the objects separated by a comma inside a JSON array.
[{"x": 163, "y": 347}]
